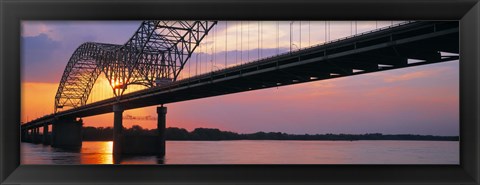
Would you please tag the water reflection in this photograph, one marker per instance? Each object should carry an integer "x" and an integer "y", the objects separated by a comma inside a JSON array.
[
  {"x": 91, "y": 153},
  {"x": 256, "y": 152},
  {"x": 135, "y": 159},
  {"x": 97, "y": 153}
]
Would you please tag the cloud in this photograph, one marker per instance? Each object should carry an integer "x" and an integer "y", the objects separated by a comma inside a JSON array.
[
  {"x": 414, "y": 75},
  {"x": 39, "y": 58},
  {"x": 408, "y": 76},
  {"x": 48, "y": 45},
  {"x": 38, "y": 48},
  {"x": 35, "y": 28}
]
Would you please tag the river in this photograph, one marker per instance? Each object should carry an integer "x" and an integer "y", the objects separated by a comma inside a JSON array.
[{"x": 257, "y": 152}]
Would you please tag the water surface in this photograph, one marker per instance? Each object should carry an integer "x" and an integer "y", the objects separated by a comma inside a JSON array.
[{"x": 257, "y": 152}]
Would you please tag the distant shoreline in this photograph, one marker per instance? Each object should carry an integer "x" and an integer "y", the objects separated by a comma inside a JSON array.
[{"x": 212, "y": 134}]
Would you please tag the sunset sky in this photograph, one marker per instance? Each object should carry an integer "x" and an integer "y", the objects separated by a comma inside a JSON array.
[{"x": 417, "y": 100}]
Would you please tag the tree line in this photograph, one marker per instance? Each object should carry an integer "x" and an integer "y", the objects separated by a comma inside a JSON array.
[{"x": 213, "y": 134}]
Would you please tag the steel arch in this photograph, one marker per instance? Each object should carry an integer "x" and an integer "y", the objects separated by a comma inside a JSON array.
[{"x": 158, "y": 50}]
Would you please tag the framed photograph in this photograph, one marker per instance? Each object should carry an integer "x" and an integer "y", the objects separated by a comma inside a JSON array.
[{"x": 189, "y": 92}]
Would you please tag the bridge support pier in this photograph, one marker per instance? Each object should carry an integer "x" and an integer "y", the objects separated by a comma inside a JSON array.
[
  {"x": 161, "y": 124},
  {"x": 139, "y": 144},
  {"x": 28, "y": 138},
  {"x": 28, "y": 135},
  {"x": 45, "y": 139},
  {"x": 35, "y": 135},
  {"x": 67, "y": 133},
  {"x": 32, "y": 135},
  {"x": 117, "y": 129}
]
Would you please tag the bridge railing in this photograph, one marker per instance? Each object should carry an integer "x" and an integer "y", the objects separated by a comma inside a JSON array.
[
  {"x": 268, "y": 58},
  {"x": 261, "y": 60}
]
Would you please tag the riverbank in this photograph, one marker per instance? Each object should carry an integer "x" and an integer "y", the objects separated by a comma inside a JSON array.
[{"x": 213, "y": 134}]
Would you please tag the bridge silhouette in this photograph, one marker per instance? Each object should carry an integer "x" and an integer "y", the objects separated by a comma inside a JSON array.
[{"x": 158, "y": 51}]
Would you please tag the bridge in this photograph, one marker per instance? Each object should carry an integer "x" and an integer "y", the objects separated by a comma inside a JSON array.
[{"x": 159, "y": 50}]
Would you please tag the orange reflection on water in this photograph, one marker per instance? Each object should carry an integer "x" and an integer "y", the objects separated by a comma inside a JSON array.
[
  {"x": 101, "y": 152},
  {"x": 97, "y": 152}
]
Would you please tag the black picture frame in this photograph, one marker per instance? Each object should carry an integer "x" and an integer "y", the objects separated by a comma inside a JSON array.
[{"x": 13, "y": 11}]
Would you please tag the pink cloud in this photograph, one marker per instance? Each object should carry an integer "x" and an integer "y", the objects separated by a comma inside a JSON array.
[
  {"x": 414, "y": 75},
  {"x": 35, "y": 28}
]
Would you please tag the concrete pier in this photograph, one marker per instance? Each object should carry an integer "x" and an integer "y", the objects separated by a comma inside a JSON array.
[
  {"x": 117, "y": 129},
  {"x": 161, "y": 124},
  {"x": 45, "y": 139},
  {"x": 28, "y": 135},
  {"x": 53, "y": 134},
  {"x": 144, "y": 144},
  {"x": 32, "y": 135},
  {"x": 35, "y": 135},
  {"x": 67, "y": 133}
]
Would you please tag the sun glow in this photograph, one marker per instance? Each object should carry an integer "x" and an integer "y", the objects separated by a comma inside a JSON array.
[
  {"x": 103, "y": 88},
  {"x": 103, "y": 153}
]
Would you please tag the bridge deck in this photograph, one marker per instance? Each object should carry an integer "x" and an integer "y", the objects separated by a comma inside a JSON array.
[{"x": 380, "y": 50}]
